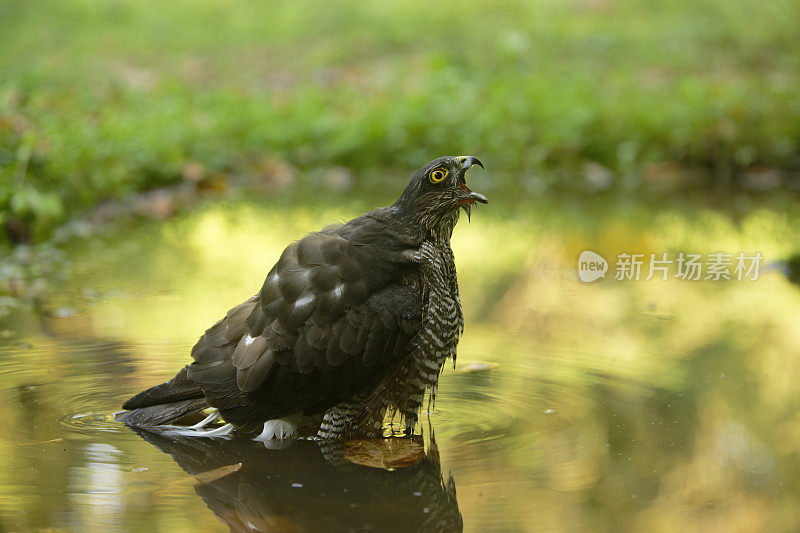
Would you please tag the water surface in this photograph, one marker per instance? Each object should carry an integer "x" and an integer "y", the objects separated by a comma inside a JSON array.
[{"x": 619, "y": 405}]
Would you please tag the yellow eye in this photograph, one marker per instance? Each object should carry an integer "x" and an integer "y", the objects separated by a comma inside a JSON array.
[{"x": 437, "y": 175}]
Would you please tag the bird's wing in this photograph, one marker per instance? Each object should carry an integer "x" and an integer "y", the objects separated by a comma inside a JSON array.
[{"x": 333, "y": 313}]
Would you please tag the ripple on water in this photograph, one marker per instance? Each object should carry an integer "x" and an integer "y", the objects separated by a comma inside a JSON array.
[
  {"x": 89, "y": 423},
  {"x": 66, "y": 386},
  {"x": 88, "y": 413}
]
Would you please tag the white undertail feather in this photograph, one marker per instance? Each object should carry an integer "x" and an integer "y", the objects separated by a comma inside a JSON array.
[
  {"x": 279, "y": 428},
  {"x": 222, "y": 431},
  {"x": 199, "y": 429}
]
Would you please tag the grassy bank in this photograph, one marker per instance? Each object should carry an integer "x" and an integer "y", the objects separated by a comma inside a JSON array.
[{"x": 102, "y": 99}]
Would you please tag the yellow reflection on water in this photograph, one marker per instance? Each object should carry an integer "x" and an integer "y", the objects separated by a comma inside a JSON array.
[{"x": 652, "y": 405}]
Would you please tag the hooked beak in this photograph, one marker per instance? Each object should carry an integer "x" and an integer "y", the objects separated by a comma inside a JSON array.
[
  {"x": 469, "y": 160},
  {"x": 472, "y": 197}
]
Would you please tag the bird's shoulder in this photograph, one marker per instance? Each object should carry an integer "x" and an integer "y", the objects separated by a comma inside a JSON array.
[{"x": 384, "y": 226}]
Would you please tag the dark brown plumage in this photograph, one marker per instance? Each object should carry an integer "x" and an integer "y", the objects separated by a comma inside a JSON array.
[{"x": 351, "y": 321}]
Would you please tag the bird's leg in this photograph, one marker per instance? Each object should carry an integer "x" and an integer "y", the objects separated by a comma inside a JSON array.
[
  {"x": 372, "y": 424},
  {"x": 431, "y": 400},
  {"x": 410, "y": 423},
  {"x": 340, "y": 419}
]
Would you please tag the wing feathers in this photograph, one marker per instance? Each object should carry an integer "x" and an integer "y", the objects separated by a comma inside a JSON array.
[
  {"x": 250, "y": 378},
  {"x": 332, "y": 314},
  {"x": 249, "y": 350}
]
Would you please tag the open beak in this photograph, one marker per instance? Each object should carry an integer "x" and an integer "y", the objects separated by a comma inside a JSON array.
[
  {"x": 472, "y": 197},
  {"x": 477, "y": 197},
  {"x": 469, "y": 160}
]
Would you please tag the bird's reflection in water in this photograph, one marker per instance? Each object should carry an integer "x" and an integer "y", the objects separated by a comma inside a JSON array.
[{"x": 307, "y": 487}]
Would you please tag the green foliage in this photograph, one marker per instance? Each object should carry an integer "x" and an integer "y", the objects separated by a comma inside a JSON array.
[{"x": 101, "y": 99}]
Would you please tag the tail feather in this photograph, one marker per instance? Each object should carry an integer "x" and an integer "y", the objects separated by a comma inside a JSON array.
[
  {"x": 165, "y": 403},
  {"x": 156, "y": 415},
  {"x": 177, "y": 389}
]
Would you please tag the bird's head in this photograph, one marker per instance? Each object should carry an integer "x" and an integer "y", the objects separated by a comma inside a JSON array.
[{"x": 439, "y": 189}]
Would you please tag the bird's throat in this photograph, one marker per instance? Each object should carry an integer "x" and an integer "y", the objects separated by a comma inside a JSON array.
[{"x": 442, "y": 230}]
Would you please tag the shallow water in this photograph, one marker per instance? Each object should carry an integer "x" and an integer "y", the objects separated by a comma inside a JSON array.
[{"x": 621, "y": 405}]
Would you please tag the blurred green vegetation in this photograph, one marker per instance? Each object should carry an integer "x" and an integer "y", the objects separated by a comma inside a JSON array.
[{"x": 99, "y": 100}]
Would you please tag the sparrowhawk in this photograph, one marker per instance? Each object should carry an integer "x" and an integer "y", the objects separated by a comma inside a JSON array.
[{"x": 352, "y": 321}]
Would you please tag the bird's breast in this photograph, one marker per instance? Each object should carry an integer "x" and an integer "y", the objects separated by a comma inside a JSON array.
[{"x": 442, "y": 318}]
